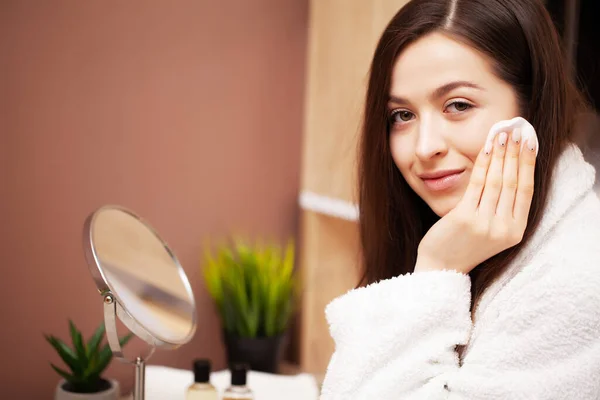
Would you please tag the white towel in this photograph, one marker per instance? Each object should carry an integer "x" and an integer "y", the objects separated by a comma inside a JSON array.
[{"x": 165, "y": 383}]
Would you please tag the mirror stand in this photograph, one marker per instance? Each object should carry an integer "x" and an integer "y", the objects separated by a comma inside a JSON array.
[
  {"x": 142, "y": 284},
  {"x": 111, "y": 311}
]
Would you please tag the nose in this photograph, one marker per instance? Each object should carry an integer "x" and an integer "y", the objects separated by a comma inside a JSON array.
[{"x": 430, "y": 140}]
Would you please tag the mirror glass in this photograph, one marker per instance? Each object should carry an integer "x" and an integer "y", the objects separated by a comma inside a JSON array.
[{"x": 129, "y": 259}]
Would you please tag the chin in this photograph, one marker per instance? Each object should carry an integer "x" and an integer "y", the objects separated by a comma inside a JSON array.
[
  {"x": 440, "y": 203},
  {"x": 442, "y": 207}
]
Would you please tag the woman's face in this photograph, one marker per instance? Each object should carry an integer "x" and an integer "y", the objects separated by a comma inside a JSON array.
[{"x": 444, "y": 98}]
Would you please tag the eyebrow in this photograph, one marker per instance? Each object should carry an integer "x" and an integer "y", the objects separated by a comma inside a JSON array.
[{"x": 441, "y": 91}]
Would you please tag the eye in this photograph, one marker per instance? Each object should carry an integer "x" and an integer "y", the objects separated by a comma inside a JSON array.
[
  {"x": 459, "y": 106},
  {"x": 400, "y": 116}
]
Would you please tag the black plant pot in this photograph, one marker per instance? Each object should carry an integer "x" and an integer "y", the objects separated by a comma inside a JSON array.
[{"x": 262, "y": 354}]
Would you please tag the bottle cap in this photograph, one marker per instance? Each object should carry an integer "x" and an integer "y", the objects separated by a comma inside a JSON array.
[
  {"x": 239, "y": 373},
  {"x": 201, "y": 370}
]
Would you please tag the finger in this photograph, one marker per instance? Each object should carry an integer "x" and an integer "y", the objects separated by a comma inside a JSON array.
[
  {"x": 493, "y": 181},
  {"x": 510, "y": 176},
  {"x": 472, "y": 196},
  {"x": 525, "y": 185}
]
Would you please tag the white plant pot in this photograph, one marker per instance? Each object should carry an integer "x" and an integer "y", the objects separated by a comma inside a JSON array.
[{"x": 112, "y": 393}]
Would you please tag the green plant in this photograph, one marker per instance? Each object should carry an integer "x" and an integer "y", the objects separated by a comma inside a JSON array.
[
  {"x": 87, "y": 361},
  {"x": 253, "y": 285}
]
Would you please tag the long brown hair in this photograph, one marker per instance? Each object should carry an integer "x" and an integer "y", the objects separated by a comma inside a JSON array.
[{"x": 520, "y": 39}]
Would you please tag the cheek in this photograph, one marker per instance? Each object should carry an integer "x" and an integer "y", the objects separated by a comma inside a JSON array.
[
  {"x": 470, "y": 138},
  {"x": 402, "y": 151}
]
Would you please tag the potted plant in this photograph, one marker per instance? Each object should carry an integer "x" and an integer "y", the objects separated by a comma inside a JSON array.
[
  {"x": 254, "y": 288},
  {"x": 86, "y": 362}
]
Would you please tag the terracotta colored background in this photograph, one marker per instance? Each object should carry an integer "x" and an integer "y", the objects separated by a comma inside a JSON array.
[{"x": 188, "y": 112}]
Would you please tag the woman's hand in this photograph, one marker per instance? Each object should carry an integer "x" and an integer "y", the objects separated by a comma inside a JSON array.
[{"x": 492, "y": 214}]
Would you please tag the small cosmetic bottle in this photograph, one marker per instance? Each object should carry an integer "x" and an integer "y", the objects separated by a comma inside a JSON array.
[
  {"x": 238, "y": 389},
  {"x": 202, "y": 389}
]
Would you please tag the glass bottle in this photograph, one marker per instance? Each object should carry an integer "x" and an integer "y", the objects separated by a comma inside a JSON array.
[
  {"x": 238, "y": 389},
  {"x": 202, "y": 389}
]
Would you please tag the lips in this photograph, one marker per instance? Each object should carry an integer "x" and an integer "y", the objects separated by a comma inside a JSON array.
[
  {"x": 442, "y": 180},
  {"x": 440, "y": 174}
]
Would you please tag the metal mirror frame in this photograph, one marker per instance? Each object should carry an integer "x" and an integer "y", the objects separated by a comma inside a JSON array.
[{"x": 113, "y": 307}]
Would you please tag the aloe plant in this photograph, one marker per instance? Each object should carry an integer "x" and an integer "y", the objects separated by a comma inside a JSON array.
[
  {"x": 253, "y": 286},
  {"x": 86, "y": 361}
]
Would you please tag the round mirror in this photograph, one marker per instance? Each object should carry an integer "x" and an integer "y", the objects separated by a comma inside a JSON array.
[{"x": 134, "y": 267}]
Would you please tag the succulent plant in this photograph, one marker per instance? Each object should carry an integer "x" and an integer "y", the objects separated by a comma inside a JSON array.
[{"x": 85, "y": 360}]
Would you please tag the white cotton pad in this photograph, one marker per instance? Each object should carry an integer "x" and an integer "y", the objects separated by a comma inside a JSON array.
[{"x": 527, "y": 131}]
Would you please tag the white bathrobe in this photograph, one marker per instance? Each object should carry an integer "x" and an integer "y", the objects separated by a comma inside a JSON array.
[{"x": 534, "y": 335}]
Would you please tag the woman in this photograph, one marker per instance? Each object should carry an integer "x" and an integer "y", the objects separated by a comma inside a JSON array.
[{"x": 482, "y": 271}]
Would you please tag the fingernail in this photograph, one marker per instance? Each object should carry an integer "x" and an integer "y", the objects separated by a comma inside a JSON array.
[
  {"x": 516, "y": 136},
  {"x": 531, "y": 144},
  {"x": 488, "y": 147},
  {"x": 502, "y": 139}
]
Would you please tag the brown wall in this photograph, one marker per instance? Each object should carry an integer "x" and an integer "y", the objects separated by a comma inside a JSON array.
[{"x": 188, "y": 112}]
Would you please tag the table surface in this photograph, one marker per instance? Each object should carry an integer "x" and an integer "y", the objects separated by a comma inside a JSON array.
[{"x": 285, "y": 369}]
